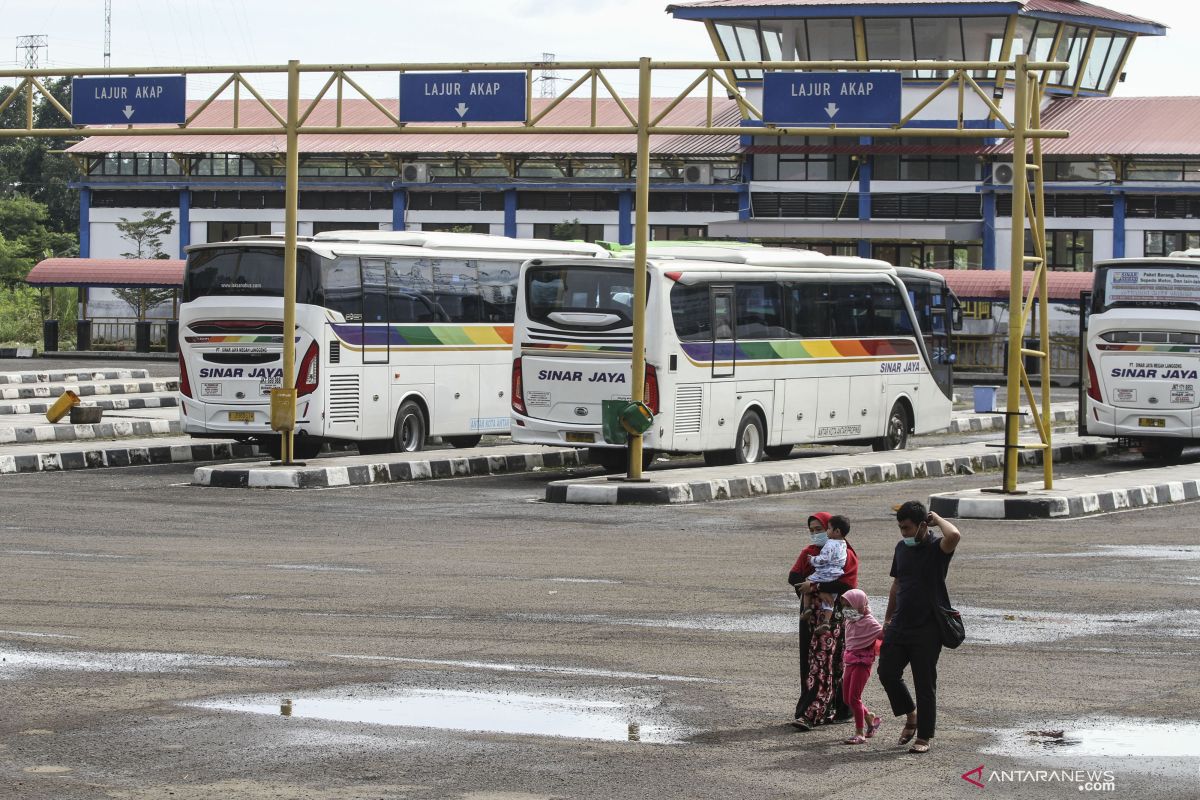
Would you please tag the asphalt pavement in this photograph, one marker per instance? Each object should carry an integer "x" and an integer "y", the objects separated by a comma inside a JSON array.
[{"x": 461, "y": 639}]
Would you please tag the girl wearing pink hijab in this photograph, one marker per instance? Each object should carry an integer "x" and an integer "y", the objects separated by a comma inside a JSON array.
[{"x": 863, "y": 634}]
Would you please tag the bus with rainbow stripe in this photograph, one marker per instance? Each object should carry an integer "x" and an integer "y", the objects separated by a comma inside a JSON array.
[
  {"x": 399, "y": 336},
  {"x": 749, "y": 352}
]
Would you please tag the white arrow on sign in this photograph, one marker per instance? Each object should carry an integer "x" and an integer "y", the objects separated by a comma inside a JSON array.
[
  {"x": 831, "y": 110},
  {"x": 461, "y": 108},
  {"x": 128, "y": 112}
]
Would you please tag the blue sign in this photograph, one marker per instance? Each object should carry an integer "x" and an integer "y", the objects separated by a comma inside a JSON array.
[
  {"x": 129, "y": 101},
  {"x": 462, "y": 97},
  {"x": 831, "y": 98}
]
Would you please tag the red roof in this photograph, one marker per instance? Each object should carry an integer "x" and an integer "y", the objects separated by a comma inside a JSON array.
[
  {"x": 986, "y": 284},
  {"x": 159, "y": 273},
  {"x": 691, "y": 112},
  {"x": 1143, "y": 126}
]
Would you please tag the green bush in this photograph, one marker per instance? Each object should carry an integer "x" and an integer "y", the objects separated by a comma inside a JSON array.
[{"x": 21, "y": 316}]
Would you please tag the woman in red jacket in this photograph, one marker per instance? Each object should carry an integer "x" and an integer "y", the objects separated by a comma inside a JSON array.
[{"x": 821, "y": 654}]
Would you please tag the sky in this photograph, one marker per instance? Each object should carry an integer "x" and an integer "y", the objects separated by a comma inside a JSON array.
[{"x": 227, "y": 32}]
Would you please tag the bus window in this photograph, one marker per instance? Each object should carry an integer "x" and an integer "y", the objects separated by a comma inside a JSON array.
[
  {"x": 343, "y": 290},
  {"x": 584, "y": 289},
  {"x": 760, "y": 311},
  {"x": 691, "y": 314}
]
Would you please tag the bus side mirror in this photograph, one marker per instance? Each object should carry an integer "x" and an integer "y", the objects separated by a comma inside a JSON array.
[
  {"x": 956, "y": 319},
  {"x": 1085, "y": 307}
]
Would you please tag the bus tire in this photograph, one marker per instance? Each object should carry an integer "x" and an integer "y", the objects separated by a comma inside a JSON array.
[
  {"x": 408, "y": 435},
  {"x": 463, "y": 442},
  {"x": 896, "y": 435},
  {"x": 779, "y": 452},
  {"x": 1160, "y": 450},
  {"x": 751, "y": 439}
]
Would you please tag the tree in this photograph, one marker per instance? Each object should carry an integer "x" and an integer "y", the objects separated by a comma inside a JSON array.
[
  {"x": 24, "y": 239},
  {"x": 567, "y": 231},
  {"x": 146, "y": 236}
]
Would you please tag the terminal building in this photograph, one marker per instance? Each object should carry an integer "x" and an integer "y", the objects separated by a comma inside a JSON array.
[{"x": 1126, "y": 182}]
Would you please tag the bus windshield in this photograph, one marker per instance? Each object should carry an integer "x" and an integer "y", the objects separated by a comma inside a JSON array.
[
  {"x": 1147, "y": 286},
  {"x": 249, "y": 271},
  {"x": 579, "y": 289}
]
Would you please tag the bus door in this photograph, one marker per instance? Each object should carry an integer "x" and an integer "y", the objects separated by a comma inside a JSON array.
[
  {"x": 724, "y": 332},
  {"x": 1085, "y": 310},
  {"x": 939, "y": 339}
]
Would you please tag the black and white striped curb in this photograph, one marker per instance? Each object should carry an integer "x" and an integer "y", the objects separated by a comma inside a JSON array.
[
  {"x": 1066, "y": 503},
  {"x": 324, "y": 477},
  {"x": 120, "y": 429},
  {"x": 704, "y": 491},
  {"x": 995, "y": 422},
  {"x": 74, "y": 376},
  {"x": 117, "y": 456},
  {"x": 114, "y": 404},
  {"x": 88, "y": 390}
]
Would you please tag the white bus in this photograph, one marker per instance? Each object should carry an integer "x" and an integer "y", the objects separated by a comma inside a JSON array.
[
  {"x": 398, "y": 336},
  {"x": 745, "y": 357},
  {"x": 1142, "y": 354}
]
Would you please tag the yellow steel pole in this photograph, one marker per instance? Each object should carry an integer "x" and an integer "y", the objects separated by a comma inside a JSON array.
[
  {"x": 1039, "y": 235},
  {"x": 1016, "y": 265},
  {"x": 291, "y": 200},
  {"x": 641, "y": 234}
]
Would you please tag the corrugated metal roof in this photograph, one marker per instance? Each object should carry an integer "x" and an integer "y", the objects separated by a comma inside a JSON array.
[
  {"x": 1142, "y": 126},
  {"x": 986, "y": 284},
  {"x": 164, "y": 273},
  {"x": 571, "y": 112},
  {"x": 1074, "y": 8}
]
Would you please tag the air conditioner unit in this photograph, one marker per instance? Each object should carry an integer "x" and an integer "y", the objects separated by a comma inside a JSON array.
[
  {"x": 697, "y": 173},
  {"x": 414, "y": 173},
  {"x": 1002, "y": 173}
]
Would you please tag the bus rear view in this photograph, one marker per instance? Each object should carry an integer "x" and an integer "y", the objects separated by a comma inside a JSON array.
[{"x": 1143, "y": 354}]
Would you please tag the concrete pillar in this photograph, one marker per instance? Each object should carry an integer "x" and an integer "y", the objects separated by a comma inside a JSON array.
[
  {"x": 1118, "y": 226},
  {"x": 510, "y": 213},
  {"x": 399, "y": 206}
]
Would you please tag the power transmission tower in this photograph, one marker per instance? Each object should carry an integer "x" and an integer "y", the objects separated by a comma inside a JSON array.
[
  {"x": 31, "y": 45},
  {"x": 108, "y": 33},
  {"x": 548, "y": 77}
]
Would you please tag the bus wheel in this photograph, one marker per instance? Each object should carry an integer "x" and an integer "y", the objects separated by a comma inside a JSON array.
[
  {"x": 409, "y": 433},
  {"x": 778, "y": 452},
  {"x": 896, "y": 437},
  {"x": 1162, "y": 450},
  {"x": 750, "y": 439},
  {"x": 462, "y": 441},
  {"x": 613, "y": 460}
]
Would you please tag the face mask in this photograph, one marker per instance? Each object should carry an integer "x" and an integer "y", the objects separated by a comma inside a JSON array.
[
  {"x": 911, "y": 541},
  {"x": 851, "y": 615},
  {"x": 819, "y": 539}
]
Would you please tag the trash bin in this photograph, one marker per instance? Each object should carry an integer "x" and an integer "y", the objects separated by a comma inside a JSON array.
[
  {"x": 172, "y": 336},
  {"x": 50, "y": 336},
  {"x": 83, "y": 335},
  {"x": 142, "y": 336},
  {"x": 985, "y": 399}
]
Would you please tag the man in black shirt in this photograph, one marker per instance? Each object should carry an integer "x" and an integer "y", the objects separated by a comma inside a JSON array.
[{"x": 911, "y": 634}]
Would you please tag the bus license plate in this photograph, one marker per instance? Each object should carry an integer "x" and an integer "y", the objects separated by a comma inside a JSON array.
[
  {"x": 241, "y": 416},
  {"x": 1151, "y": 422},
  {"x": 582, "y": 438}
]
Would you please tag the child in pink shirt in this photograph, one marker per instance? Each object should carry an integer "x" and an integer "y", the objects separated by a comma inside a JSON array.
[{"x": 863, "y": 634}]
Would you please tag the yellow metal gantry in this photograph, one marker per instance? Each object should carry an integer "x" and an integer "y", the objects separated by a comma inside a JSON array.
[{"x": 713, "y": 79}]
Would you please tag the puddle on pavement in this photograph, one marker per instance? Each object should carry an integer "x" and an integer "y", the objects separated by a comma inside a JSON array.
[
  {"x": 14, "y": 663},
  {"x": 62, "y": 554},
  {"x": 1162, "y": 552},
  {"x": 1136, "y": 744},
  {"x": 532, "y": 668},
  {"x": 984, "y": 625},
  {"x": 613, "y": 720},
  {"x": 38, "y": 635}
]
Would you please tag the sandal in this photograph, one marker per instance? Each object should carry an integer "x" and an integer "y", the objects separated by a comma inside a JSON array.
[
  {"x": 919, "y": 747},
  {"x": 801, "y": 724},
  {"x": 874, "y": 727},
  {"x": 907, "y": 733},
  {"x": 856, "y": 739}
]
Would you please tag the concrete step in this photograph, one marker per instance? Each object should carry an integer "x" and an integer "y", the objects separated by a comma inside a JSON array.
[
  {"x": 129, "y": 402},
  {"x": 93, "y": 389},
  {"x": 73, "y": 376},
  {"x": 54, "y": 457}
]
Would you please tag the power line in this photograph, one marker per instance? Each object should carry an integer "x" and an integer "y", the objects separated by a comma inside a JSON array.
[
  {"x": 548, "y": 77},
  {"x": 107, "y": 33}
]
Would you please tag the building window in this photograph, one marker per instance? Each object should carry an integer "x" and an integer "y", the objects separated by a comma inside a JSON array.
[
  {"x": 567, "y": 201},
  {"x": 800, "y": 158},
  {"x": 1066, "y": 250},
  {"x": 919, "y": 163},
  {"x": 1163, "y": 243},
  {"x": 322, "y": 227},
  {"x": 134, "y": 164},
  {"x": 787, "y": 40},
  {"x": 1170, "y": 206},
  {"x": 930, "y": 255},
  {"x": 1162, "y": 171},
  {"x": 568, "y": 231},
  {"x": 804, "y": 205},
  {"x": 676, "y": 233},
  {"x": 1066, "y": 204},
  {"x": 457, "y": 227},
  {"x": 926, "y": 206},
  {"x": 228, "y": 231},
  {"x": 135, "y": 199},
  {"x": 933, "y": 39},
  {"x": 1080, "y": 170}
]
